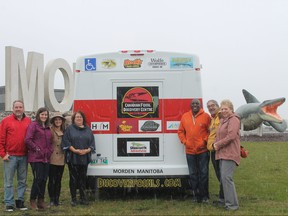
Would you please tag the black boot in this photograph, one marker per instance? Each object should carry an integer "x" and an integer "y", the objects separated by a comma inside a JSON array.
[
  {"x": 41, "y": 204},
  {"x": 56, "y": 201},
  {"x": 20, "y": 205}
]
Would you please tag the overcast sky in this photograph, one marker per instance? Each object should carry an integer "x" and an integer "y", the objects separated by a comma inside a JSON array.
[{"x": 240, "y": 43}]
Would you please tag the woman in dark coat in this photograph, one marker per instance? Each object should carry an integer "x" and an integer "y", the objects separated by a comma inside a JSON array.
[
  {"x": 39, "y": 143},
  {"x": 78, "y": 142}
]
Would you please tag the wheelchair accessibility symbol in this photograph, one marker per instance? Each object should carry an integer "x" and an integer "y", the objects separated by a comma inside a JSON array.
[{"x": 90, "y": 64}]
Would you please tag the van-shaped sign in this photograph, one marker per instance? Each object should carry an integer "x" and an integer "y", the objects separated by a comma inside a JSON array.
[{"x": 133, "y": 101}]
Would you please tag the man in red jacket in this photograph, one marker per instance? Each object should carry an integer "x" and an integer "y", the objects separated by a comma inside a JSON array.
[
  {"x": 193, "y": 133},
  {"x": 13, "y": 151}
]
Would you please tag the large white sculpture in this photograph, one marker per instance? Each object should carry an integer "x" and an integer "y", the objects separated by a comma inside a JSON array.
[
  {"x": 24, "y": 83},
  {"x": 28, "y": 83},
  {"x": 49, "y": 76}
]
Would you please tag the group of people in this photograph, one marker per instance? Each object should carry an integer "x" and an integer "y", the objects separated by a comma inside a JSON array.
[
  {"x": 46, "y": 145},
  {"x": 216, "y": 135}
]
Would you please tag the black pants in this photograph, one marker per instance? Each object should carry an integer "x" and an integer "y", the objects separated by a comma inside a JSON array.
[
  {"x": 40, "y": 174},
  {"x": 54, "y": 183},
  {"x": 78, "y": 177}
]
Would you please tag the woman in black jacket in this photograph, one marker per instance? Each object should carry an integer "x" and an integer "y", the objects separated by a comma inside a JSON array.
[{"x": 78, "y": 142}]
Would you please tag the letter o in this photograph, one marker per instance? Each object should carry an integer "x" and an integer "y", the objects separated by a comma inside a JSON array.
[{"x": 49, "y": 76}]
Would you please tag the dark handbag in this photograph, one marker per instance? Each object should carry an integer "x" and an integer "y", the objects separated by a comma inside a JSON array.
[
  {"x": 243, "y": 152},
  {"x": 68, "y": 156}
]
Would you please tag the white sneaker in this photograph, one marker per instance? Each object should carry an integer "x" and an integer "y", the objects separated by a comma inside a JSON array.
[{"x": 9, "y": 209}]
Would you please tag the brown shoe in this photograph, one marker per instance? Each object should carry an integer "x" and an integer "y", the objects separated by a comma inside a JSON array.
[
  {"x": 33, "y": 204},
  {"x": 41, "y": 204}
]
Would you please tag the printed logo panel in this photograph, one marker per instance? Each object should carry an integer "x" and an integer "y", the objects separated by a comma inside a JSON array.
[
  {"x": 138, "y": 147},
  {"x": 108, "y": 63},
  {"x": 150, "y": 126},
  {"x": 181, "y": 62},
  {"x": 125, "y": 127},
  {"x": 100, "y": 126},
  {"x": 172, "y": 125},
  {"x": 137, "y": 102},
  {"x": 157, "y": 63},
  {"x": 134, "y": 147},
  {"x": 132, "y": 63}
]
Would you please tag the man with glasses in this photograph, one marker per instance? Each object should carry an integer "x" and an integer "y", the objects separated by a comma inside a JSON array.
[{"x": 214, "y": 110}]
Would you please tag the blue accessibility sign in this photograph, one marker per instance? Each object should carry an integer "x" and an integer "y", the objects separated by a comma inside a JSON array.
[{"x": 90, "y": 64}]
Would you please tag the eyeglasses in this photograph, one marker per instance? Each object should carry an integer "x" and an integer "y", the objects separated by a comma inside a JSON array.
[{"x": 211, "y": 105}]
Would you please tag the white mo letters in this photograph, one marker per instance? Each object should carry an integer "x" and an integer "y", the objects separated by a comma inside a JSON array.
[
  {"x": 29, "y": 85},
  {"x": 49, "y": 75}
]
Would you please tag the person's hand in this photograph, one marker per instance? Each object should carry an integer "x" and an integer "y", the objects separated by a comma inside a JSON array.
[
  {"x": 84, "y": 151},
  {"x": 215, "y": 147},
  {"x": 80, "y": 151},
  {"x": 77, "y": 151},
  {"x": 6, "y": 157}
]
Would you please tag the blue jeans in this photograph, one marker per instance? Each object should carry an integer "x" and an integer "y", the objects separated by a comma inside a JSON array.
[
  {"x": 198, "y": 166},
  {"x": 18, "y": 163}
]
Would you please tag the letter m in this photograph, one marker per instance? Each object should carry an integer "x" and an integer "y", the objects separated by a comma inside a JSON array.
[{"x": 24, "y": 83}]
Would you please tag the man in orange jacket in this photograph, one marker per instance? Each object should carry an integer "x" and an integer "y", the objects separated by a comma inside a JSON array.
[{"x": 193, "y": 132}]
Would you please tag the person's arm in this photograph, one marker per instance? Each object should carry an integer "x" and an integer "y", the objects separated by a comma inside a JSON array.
[
  {"x": 182, "y": 132},
  {"x": 208, "y": 122},
  {"x": 92, "y": 147},
  {"x": 49, "y": 136},
  {"x": 4, "y": 155},
  {"x": 66, "y": 139},
  {"x": 29, "y": 138},
  {"x": 75, "y": 151}
]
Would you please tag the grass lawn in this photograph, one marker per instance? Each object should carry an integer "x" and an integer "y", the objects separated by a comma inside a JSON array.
[{"x": 261, "y": 183}]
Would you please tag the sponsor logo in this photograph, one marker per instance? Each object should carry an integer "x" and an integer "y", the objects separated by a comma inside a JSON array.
[
  {"x": 136, "y": 63},
  {"x": 125, "y": 128},
  {"x": 149, "y": 125},
  {"x": 137, "y": 102},
  {"x": 108, "y": 63},
  {"x": 173, "y": 125},
  {"x": 100, "y": 126},
  {"x": 157, "y": 63},
  {"x": 181, "y": 62},
  {"x": 90, "y": 64},
  {"x": 138, "y": 147}
]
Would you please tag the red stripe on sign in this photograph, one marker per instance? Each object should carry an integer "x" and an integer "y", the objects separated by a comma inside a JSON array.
[{"x": 103, "y": 118}]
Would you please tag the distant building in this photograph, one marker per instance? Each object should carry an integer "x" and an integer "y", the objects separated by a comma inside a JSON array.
[
  {"x": 2, "y": 98},
  {"x": 59, "y": 94}
]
